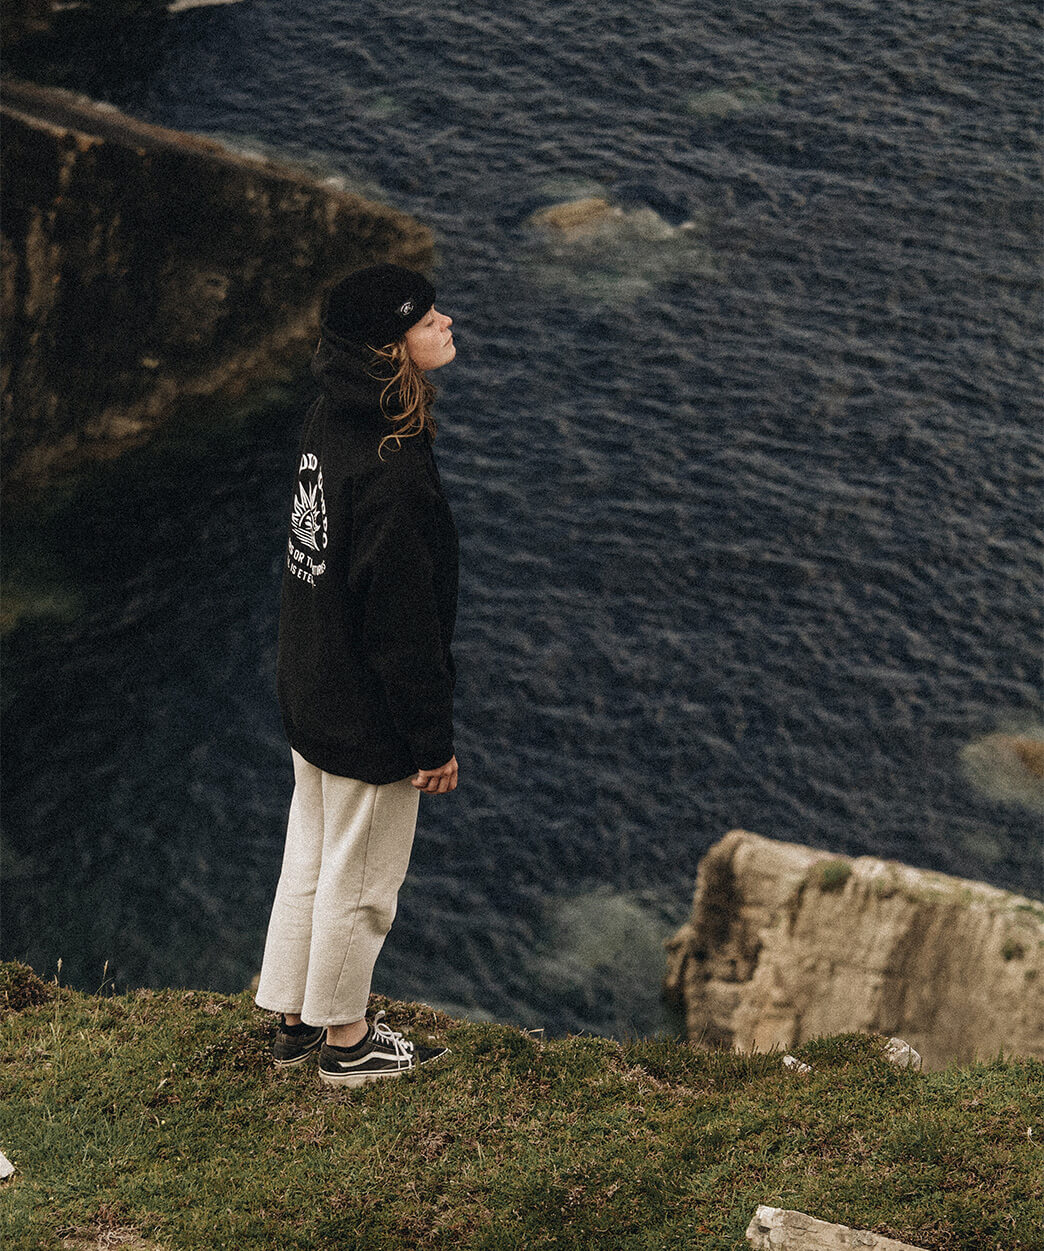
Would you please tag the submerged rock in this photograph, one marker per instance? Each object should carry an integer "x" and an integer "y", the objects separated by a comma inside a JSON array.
[
  {"x": 593, "y": 248},
  {"x": 595, "y": 216},
  {"x": 727, "y": 102},
  {"x": 576, "y": 217},
  {"x": 777, "y": 951},
  {"x": 1008, "y": 768}
]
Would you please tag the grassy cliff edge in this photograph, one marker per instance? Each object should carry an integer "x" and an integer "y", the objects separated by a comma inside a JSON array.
[{"x": 157, "y": 1114}]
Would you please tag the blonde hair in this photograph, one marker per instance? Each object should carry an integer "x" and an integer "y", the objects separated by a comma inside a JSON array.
[{"x": 408, "y": 391}]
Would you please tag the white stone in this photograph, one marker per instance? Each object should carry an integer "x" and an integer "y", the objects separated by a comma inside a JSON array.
[
  {"x": 799, "y": 1066},
  {"x": 901, "y": 1053},
  {"x": 779, "y": 1229},
  {"x": 6, "y": 1167}
]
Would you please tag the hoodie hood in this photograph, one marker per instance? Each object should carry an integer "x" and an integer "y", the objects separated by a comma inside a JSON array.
[{"x": 344, "y": 370}]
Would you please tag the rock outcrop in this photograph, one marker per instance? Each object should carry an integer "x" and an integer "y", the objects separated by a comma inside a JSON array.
[
  {"x": 786, "y": 943},
  {"x": 144, "y": 268}
]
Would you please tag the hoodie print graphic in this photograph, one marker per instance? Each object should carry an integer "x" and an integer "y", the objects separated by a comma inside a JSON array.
[{"x": 308, "y": 523}]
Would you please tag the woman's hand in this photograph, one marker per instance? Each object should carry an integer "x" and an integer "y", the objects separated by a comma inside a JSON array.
[{"x": 437, "y": 781}]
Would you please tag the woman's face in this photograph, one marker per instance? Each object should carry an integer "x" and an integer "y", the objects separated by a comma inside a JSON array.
[{"x": 430, "y": 342}]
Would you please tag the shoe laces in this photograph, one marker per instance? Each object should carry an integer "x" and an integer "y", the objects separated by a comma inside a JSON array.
[{"x": 391, "y": 1037}]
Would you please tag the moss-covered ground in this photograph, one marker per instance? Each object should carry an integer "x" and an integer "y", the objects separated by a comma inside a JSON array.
[{"x": 157, "y": 1114}]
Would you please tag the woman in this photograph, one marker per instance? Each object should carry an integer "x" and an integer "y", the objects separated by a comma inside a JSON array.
[{"x": 365, "y": 674}]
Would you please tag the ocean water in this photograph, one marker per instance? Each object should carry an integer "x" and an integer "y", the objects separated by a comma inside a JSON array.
[{"x": 747, "y": 484}]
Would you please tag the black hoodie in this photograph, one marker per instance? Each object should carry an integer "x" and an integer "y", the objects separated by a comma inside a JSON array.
[{"x": 369, "y": 598}]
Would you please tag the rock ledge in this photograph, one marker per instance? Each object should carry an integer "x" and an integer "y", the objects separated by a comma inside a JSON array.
[{"x": 787, "y": 943}]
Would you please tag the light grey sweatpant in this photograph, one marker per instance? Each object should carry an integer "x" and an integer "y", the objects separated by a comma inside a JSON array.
[{"x": 348, "y": 846}]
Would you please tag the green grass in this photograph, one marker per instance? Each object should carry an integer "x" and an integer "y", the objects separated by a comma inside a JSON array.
[
  {"x": 158, "y": 1112},
  {"x": 831, "y": 874}
]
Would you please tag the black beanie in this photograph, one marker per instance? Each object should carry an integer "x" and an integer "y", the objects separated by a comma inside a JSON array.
[{"x": 377, "y": 305}]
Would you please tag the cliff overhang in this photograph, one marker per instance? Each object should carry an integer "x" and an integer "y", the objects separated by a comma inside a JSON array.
[{"x": 144, "y": 268}]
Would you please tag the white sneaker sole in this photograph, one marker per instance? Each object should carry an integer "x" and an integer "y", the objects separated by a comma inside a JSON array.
[
  {"x": 361, "y": 1079},
  {"x": 289, "y": 1064}
]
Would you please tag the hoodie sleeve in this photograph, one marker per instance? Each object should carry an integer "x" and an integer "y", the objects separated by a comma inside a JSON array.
[{"x": 393, "y": 571}]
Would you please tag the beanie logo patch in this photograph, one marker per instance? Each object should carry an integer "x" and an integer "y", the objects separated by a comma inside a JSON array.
[{"x": 406, "y": 309}]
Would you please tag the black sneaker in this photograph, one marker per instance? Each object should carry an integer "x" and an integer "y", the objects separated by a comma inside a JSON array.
[
  {"x": 382, "y": 1053},
  {"x": 294, "y": 1043}
]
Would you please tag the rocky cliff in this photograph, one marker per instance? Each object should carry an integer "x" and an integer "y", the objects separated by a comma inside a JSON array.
[
  {"x": 786, "y": 943},
  {"x": 143, "y": 268}
]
